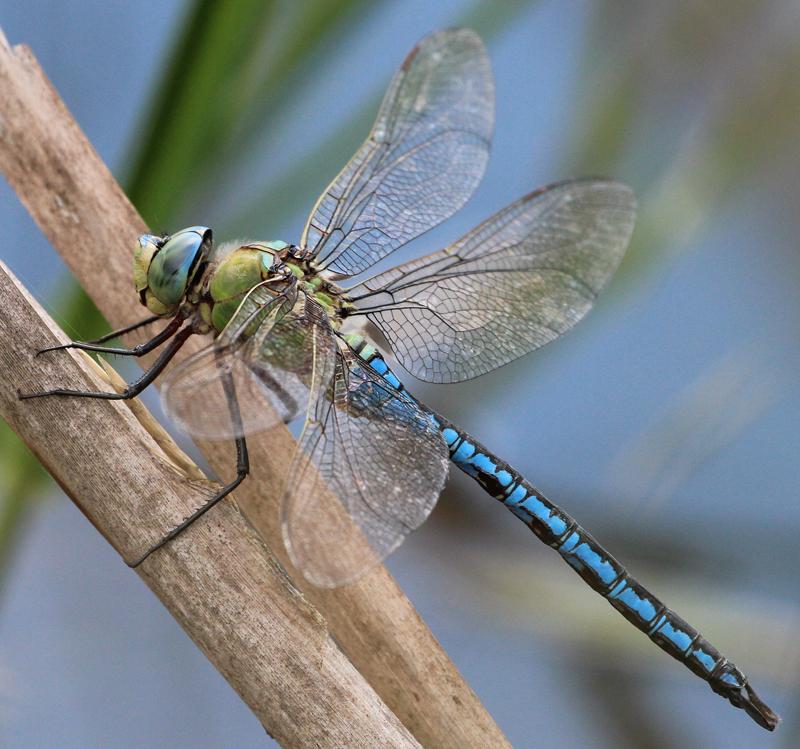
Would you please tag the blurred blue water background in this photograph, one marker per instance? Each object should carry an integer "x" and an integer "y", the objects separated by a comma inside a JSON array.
[{"x": 667, "y": 422}]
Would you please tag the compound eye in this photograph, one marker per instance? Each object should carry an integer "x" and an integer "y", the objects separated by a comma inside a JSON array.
[{"x": 171, "y": 269}]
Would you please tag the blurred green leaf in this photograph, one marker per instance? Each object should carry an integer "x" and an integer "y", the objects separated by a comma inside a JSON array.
[
  {"x": 753, "y": 126},
  {"x": 608, "y": 133},
  {"x": 197, "y": 101},
  {"x": 659, "y": 110},
  {"x": 756, "y": 122},
  {"x": 229, "y": 69}
]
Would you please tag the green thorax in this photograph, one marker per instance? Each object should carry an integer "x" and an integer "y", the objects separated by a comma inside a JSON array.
[{"x": 238, "y": 272}]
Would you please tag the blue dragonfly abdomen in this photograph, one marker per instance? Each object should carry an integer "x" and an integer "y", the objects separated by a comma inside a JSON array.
[{"x": 599, "y": 569}]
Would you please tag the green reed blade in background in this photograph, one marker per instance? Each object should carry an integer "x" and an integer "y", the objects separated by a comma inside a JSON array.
[{"x": 231, "y": 64}]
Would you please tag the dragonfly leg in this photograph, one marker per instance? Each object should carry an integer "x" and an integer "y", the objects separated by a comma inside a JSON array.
[
  {"x": 122, "y": 331},
  {"x": 135, "y": 387},
  {"x": 140, "y": 350},
  {"x": 242, "y": 469}
]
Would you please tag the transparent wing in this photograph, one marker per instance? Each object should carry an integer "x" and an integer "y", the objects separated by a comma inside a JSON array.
[
  {"x": 513, "y": 284},
  {"x": 267, "y": 351},
  {"x": 372, "y": 448},
  {"x": 425, "y": 156}
]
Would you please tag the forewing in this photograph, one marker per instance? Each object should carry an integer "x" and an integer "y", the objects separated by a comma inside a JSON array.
[
  {"x": 266, "y": 352},
  {"x": 425, "y": 156},
  {"x": 516, "y": 282},
  {"x": 368, "y": 470}
]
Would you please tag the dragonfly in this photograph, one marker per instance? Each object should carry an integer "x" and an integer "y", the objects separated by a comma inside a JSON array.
[{"x": 288, "y": 337}]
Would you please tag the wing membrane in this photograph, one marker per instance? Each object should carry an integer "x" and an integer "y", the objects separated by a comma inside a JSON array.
[
  {"x": 423, "y": 160},
  {"x": 374, "y": 449},
  {"x": 267, "y": 350},
  {"x": 516, "y": 282}
]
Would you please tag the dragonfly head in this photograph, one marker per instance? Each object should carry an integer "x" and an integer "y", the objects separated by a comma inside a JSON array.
[{"x": 164, "y": 268}]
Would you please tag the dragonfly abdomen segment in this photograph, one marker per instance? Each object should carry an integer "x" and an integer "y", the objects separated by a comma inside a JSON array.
[
  {"x": 603, "y": 573},
  {"x": 372, "y": 356}
]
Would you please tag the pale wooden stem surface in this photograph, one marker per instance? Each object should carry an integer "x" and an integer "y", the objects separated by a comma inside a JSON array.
[
  {"x": 218, "y": 579},
  {"x": 85, "y": 215}
]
